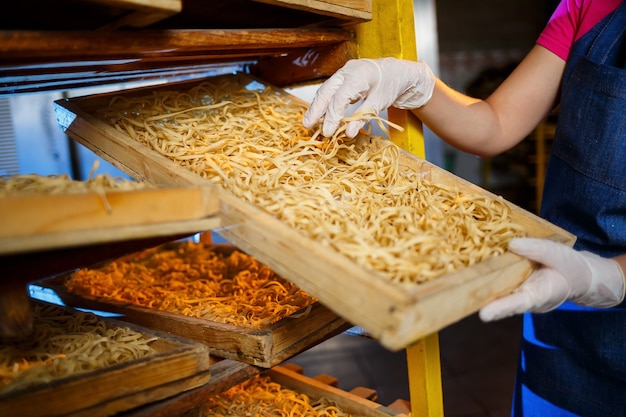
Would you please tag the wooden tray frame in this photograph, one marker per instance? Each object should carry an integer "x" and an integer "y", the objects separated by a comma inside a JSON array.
[
  {"x": 180, "y": 366},
  {"x": 315, "y": 389},
  {"x": 86, "y": 218},
  {"x": 394, "y": 315},
  {"x": 228, "y": 373}
]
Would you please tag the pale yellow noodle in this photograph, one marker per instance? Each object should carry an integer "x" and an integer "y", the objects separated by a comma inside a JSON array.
[
  {"x": 339, "y": 191},
  {"x": 32, "y": 184},
  {"x": 62, "y": 183},
  {"x": 64, "y": 344}
]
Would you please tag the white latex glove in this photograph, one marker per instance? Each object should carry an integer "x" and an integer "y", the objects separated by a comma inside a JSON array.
[
  {"x": 565, "y": 275},
  {"x": 381, "y": 83}
]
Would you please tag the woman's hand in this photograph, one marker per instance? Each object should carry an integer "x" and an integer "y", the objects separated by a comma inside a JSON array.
[
  {"x": 564, "y": 275},
  {"x": 380, "y": 83}
]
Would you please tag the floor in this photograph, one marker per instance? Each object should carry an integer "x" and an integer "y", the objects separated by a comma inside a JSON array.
[{"x": 478, "y": 363}]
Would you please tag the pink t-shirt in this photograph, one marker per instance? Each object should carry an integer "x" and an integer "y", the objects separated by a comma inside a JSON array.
[{"x": 571, "y": 20}]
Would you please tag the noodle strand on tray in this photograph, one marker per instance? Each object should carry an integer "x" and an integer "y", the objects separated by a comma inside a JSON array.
[
  {"x": 195, "y": 280},
  {"x": 64, "y": 344},
  {"x": 30, "y": 184},
  {"x": 260, "y": 396},
  {"x": 59, "y": 184},
  {"x": 338, "y": 191}
]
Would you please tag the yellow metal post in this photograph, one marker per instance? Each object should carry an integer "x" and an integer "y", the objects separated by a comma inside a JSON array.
[
  {"x": 391, "y": 33},
  {"x": 424, "y": 369}
]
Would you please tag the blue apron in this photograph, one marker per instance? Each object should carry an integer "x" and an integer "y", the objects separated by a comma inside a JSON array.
[{"x": 573, "y": 360}]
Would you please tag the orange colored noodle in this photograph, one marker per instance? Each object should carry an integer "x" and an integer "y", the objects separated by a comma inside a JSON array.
[
  {"x": 195, "y": 280},
  {"x": 260, "y": 396}
]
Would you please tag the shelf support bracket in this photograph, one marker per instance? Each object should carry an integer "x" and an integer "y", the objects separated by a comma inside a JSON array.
[{"x": 391, "y": 33}]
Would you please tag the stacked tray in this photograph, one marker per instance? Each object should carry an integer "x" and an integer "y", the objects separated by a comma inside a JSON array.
[
  {"x": 263, "y": 346},
  {"x": 293, "y": 384},
  {"x": 174, "y": 365}
]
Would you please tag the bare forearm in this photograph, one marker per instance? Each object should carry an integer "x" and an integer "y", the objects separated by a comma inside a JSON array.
[
  {"x": 491, "y": 126},
  {"x": 464, "y": 122}
]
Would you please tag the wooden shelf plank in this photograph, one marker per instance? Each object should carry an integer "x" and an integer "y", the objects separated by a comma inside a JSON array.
[
  {"x": 143, "y": 12},
  {"x": 359, "y": 9},
  {"x": 51, "y": 60},
  {"x": 74, "y": 46}
]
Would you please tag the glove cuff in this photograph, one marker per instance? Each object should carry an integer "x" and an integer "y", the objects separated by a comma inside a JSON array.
[
  {"x": 427, "y": 83},
  {"x": 608, "y": 286},
  {"x": 418, "y": 82}
]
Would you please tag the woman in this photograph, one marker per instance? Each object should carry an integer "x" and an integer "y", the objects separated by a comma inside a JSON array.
[{"x": 573, "y": 351}]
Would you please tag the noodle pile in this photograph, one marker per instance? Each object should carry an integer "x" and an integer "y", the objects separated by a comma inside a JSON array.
[
  {"x": 338, "y": 191},
  {"x": 32, "y": 184},
  {"x": 63, "y": 184},
  {"x": 195, "y": 280},
  {"x": 64, "y": 344},
  {"x": 260, "y": 396}
]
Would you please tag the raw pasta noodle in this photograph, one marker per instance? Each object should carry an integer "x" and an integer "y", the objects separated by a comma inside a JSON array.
[
  {"x": 62, "y": 183},
  {"x": 195, "y": 280},
  {"x": 338, "y": 191},
  {"x": 260, "y": 396},
  {"x": 64, "y": 344},
  {"x": 25, "y": 184}
]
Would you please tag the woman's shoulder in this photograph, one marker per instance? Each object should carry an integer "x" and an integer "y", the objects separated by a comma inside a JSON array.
[{"x": 571, "y": 20}]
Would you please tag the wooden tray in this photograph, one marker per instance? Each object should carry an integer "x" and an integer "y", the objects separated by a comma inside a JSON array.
[
  {"x": 86, "y": 218},
  {"x": 314, "y": 388},
  {"x": 264, "y": 347},
  {"x": 227, "y": 373},
  {"x": 179, "y": 365},
  {"x": 395, "y": 315},
  {"x": 361, "y": 10}
]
